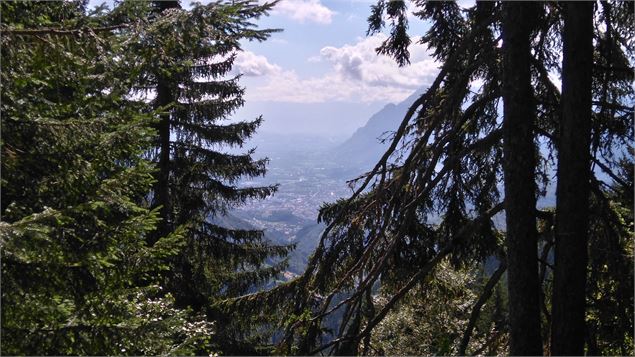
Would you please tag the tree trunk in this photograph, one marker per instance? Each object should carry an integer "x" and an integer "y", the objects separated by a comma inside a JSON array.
[
  {"x": 572, "y": 193},
  {"x": 162, "y": 190},
  {"x": 163, "y": 180},
  {"x": 520, "y": 187}
]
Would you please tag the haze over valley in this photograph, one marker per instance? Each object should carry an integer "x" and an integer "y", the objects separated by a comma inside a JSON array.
[
  {"x": 312, "y": 170},
  {"x": 317, "y": 177}
]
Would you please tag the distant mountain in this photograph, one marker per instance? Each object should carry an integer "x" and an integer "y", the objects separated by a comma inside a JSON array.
[{"x": 364, "y": 148}]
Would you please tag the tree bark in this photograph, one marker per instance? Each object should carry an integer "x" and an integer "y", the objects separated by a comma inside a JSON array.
[
  {"x": 163, "y": 180},
  {"x": 162, "y": 188},
  {"x": 519, "y": 175},
  {"x": 572, "y": 192}
]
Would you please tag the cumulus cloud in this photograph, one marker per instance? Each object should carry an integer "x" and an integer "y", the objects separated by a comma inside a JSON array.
[
  {"x": 253, "y": 65},
  {"x": 360, "y": 62},
  {"x": 357, "y": 74},
  {"x": 289, "y": 87},
  {"x": 305, "y": 11}
]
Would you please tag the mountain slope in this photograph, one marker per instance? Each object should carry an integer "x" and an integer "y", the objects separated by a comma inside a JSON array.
[{"x": 364, "y": 148}]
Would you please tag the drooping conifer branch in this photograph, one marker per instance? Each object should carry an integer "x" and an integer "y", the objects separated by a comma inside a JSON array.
[
  {"x": 476, "y": 310},
  {"x": 60, "y": 31}
]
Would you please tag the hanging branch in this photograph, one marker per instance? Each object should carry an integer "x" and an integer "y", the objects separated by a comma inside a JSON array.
[
  {"x": 373, "y": 275},
  {"x": 379, "y": 173},
  {"x": 554, "y": 93},
  {"x": 424, "y": 271},
  {"x": 432, "y": 90},
  {"x": 437, "y": 148},
  {"x": 59, "y": 31},
  {"x": 476, "y": 311}
]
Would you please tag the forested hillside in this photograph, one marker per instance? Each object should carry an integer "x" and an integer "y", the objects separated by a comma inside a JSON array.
[{"x": 496, "y": 218}]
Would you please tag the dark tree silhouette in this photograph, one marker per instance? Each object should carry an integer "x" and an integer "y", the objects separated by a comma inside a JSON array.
[
  {"x": 519, "y": 163},
  {"x": 573, "y": 188}
]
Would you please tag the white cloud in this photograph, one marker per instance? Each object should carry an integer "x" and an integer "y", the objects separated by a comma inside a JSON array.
[
  {"x": 360, "y": 62},
  {"x": 357, "y": 74},
  {"x": 253, "y": 65},
  {"x": 466, "y": 4},
  {"x": 305, "y": 11}
]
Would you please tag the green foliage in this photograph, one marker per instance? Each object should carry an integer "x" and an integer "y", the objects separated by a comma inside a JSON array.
[
  {"x": 97, "y": 260},
  {"x": 432, "y": 318},
  {"x": 185, "y": 59},
  {"x": 610, "y": 277},
  {"x": 126, "y": 272},
  {"x": 434, "y": 193},
  {"x": 78, "y": 276}
]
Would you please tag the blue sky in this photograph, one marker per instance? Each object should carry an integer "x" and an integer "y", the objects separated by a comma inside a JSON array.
[{"x": 321, "y": 74}]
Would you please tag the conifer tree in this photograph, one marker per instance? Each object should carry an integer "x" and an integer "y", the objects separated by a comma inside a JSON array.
[
  {"x": 574, "y": 165},
  {"x": 446, "y": 160},
  {"x": 190, "y": 73},
  {"x": 383, "y": 231},
  {"x": 78, "y": 276},
  {"x": 520, "y": 185}
]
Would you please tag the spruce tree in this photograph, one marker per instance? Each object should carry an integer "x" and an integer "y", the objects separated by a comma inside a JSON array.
[
  {"x": 384, "y": 233},
  {"x": 573, "y": 190},
  {"x": 198, "y": 182},
  {"x": 446, "y": 160},
  {"x": 78, "y": 276},
  {"x": 519, "y": 164}
]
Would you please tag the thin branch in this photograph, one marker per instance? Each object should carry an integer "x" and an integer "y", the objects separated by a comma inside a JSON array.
[
  {"x": 425, "y": 270},
  {"x": 58, "y": 31},
  {"x": 596, "y": 161},
  {"x": 476, "y": 311},
  {"x": 469, "y": 41}
]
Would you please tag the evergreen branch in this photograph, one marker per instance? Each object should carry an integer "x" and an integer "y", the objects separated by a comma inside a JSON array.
[
  {"x": 613, "y": 106},
  {"x": 476, "y": 311},
  {"x": 380, "y": 169},
  {"x": 595, "y": 160},
  {"x": 486, "y": 141},
  {"x": 605, "y": 204},
  {"x": 60, "y": 31},
  {"x": 381, "y": 164},
  {"x": 424, "y": 271}
]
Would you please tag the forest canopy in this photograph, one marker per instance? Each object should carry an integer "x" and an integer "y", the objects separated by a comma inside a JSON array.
[{"x": 120, "y": 165}]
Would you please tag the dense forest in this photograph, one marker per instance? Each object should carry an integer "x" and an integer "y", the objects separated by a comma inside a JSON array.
[{"x": 116, "y": 176}]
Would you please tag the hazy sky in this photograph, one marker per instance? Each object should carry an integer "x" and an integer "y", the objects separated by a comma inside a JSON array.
[{"x": 321, "y": 74}]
